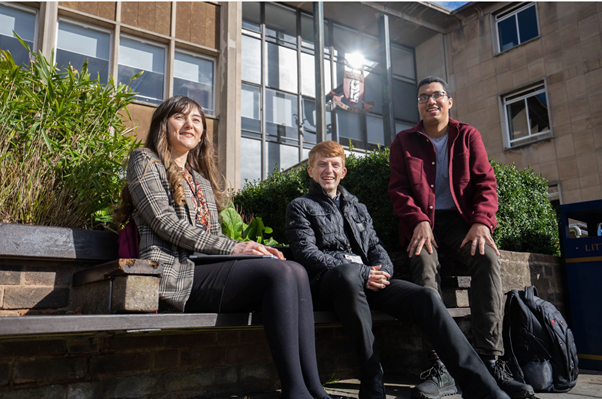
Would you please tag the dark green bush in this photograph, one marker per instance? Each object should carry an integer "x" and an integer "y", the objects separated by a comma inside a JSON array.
[{"x": 526, "y": 219}]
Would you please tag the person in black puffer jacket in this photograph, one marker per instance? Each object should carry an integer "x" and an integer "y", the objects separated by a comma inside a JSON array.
[{"x": 331, "y": 235}]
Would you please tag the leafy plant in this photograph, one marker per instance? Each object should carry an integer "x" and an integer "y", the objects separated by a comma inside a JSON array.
[
  {"x": 526, "y": 219},
  {"x": 63, "y": 143},
  {"x": 234, "y": 227}
]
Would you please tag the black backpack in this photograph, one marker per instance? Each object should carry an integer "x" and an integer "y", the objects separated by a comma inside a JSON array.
[{"x": 539, "y": 345}]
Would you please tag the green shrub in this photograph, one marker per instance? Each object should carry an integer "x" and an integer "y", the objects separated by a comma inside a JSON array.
[
  {"x": 526, "y": 219},
  {"x": 62, "y": 144}
]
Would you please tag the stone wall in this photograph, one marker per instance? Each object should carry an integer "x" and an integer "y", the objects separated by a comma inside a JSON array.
[{"x": 183, "y": 364}]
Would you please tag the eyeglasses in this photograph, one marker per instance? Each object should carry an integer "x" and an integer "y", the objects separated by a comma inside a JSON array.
[{"x": 436, "y": 96}]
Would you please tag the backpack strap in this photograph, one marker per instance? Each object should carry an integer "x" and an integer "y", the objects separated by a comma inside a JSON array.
[
  {"x": 511, "y": 301},
  {"x": 530, "y": 294}
]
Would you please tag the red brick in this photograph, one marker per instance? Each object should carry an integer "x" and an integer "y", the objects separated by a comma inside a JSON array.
[
  {"x": 4, "y": 370},
  {"x": 35, "y": 297},
  {"x": 46, "y": 278},
  {"x": 111, "y": 364},
  {"x": 227, "y": 375},
  {"x": 10, "y": 277},
  {"x": 213, "y": 356},
  {"x": 200, "y": 340},
  {"x": 227, "y": 338},
  {"x": 189, "y": 380},
  {"x": 48, "y": 370},
  {"x": 132, "y": 343},
  {"x": 249, "y": 354},
  {"x": 253, "y": 337},
  {"x": 251, "y": 373},
  {"x": 43, "y": 392},
  {"x": 167, "y": 359},
  {"x": 84, "y": 345},
  {"x": 31, "y": 348},
  {"x": 134, "y": 386},
  {"x": 59, "y": 276}
]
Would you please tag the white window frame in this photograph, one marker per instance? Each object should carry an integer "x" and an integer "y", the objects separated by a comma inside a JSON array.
[
  {"x": 557, "y": 194},
  {"x": 206, "y": 58},
  {"x": 84, "y": 25},
  {"x": 33, "y": 11},
  {"x": 521, "y": 95},
  {"x": 165, "y": 64},
  {"x": 513, "y": 14}
]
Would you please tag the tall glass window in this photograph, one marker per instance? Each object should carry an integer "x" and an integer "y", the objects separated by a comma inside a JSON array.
[
  {"x": 278, "y": 87},
  {"x": 193, "y": 77},
  {"x": 76, "y": 44},
  {"x": 136, "y": 56},
  {"x": 23, "y": 22}
]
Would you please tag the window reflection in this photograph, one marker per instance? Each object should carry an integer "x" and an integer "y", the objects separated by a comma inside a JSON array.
[
  {"x": 281, "y": 111},
  {"x": 251, "y": 59},
  {"x": 281, "y": 67},
  {"x": 76, "y": 44},
  {"x": 281, "y": 156},
  {"x": 251, "y": 156},
  {"x": 310, "y": 121},
  {"x": 22, "y": 22},
  {"x": 250, "y": 101},
  {"x": 251, "y": 15},
  {"x": 135, "y": 56},
  {"x": 280, "y": 23},
  {"x": 193, "y": 77}
]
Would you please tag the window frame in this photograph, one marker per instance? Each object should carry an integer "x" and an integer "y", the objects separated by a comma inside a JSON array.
[
  {"x": 86, "y": 25},
  {"x": 165, "y": 65},
  {"x": 30, "y": 10},
  {"x": 206, "y": 58},
  {"x": 521, "y": 94},
  {"x": 512, "y": 11}
]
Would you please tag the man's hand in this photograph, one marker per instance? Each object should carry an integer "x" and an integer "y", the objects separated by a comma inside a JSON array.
[
  {"x": 423, "y": 235},
  {"x": 377, "y": 279},
  {"x": 480, "y": 235}
]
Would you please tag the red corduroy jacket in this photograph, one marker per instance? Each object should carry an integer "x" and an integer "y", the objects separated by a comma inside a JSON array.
[{"x": 413, "y": 173}]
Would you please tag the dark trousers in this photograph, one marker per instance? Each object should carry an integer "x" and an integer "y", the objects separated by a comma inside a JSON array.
[
  {"x": 486, "y": 293},
  {"x": 341, "y": 289}
]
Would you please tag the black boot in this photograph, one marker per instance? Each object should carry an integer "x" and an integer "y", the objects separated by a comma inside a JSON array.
[
  {"x": 372, "y": 387},
  {"x": 504, "y": 379},
  {"x": 437, "y": 383}
]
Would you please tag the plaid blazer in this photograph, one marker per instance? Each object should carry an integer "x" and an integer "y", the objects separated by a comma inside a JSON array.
[{"x": 167, "y": 231}]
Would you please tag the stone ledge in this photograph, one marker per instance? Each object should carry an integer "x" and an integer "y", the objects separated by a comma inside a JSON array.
[
  {"x": 71, "y": 324},
  {"x": 43, "y": 242}
]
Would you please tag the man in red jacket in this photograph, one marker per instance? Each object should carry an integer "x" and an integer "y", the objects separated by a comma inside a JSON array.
[{"x": 444, "y": 191}]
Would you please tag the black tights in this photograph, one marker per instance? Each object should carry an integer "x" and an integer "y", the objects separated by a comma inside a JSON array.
[{"x": 281, "y": 290}]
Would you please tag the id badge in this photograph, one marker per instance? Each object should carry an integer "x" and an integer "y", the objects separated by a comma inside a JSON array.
[{"x": 353, "y": 258}]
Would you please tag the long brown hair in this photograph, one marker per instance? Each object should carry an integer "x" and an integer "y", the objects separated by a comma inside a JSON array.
[{"x": 201, "y": 158}]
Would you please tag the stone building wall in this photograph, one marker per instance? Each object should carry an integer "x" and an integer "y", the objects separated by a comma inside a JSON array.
[{"x": 568, "y": 55}]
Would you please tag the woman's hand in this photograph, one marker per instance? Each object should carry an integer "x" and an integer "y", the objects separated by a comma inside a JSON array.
[{"x": 253, "y": 248}]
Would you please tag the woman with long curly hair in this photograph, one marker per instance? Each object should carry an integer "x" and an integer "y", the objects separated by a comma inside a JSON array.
[{"x": 174, "y": 200}]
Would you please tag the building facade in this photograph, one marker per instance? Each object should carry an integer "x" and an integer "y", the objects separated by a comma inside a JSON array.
[{"x": 525, "y": 74}]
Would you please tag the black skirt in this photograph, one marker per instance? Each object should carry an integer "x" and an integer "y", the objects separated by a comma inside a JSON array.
[{"x": 208, "y": 287}]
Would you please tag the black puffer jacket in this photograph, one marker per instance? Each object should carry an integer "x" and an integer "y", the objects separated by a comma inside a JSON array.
[{"x": 316, "y": 232}]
